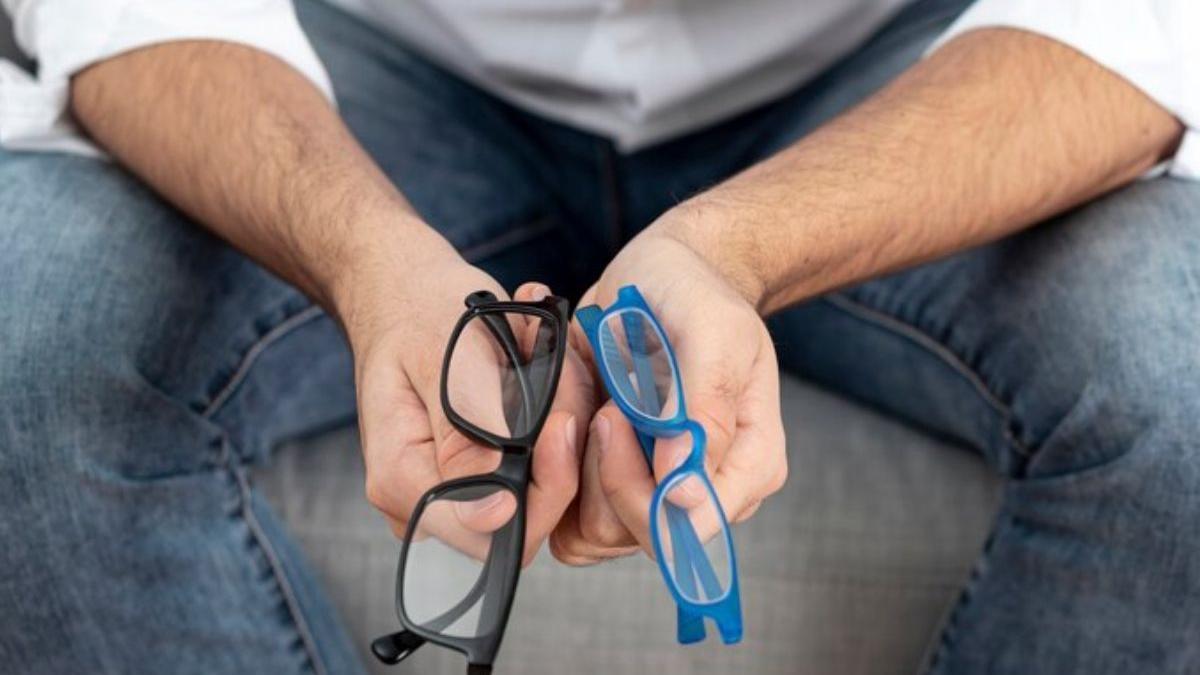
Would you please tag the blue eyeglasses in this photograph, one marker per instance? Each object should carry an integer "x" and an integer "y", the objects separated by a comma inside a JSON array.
[{"x": 692, "y": 542}]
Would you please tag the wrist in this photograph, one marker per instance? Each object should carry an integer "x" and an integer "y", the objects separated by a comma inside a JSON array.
[
  {"x": 711, "y": 231},
  {"x": 381, "y": 271}
]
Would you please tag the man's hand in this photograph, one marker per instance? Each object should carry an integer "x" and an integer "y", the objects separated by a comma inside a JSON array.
[
  {"x": 996, "y": 131},
  {"x": 731, "y": 387},
  {"x": 251, "y": 150},
  {"x": 409, "y": 445}
]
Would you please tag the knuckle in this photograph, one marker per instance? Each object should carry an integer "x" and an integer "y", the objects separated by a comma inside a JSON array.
[
  {"x": 382, "y": 493},
  {"x": 601, "y": 530},
  {"x": 747, "y": 512},
  {"x": 565, "y": 550},
  {"x": 720, "y": 431},
  {"x": 778, "y": 477},
  {"x": 399, "y": 528},
  {"x": 376, "y": 492},
  {"x": 610, "y": 487}
]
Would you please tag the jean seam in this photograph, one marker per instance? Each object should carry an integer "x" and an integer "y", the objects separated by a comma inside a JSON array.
[
  {"x": 508, "y": 239},
  {"x": 259, "y": 537},
  {"x": 943, "y": 352},
  {"x": 250, "y": 357},
  {"x": 610, "y": 182},
  {"x": 282, "y": 329},
  {"x": 941, "y": 642}
]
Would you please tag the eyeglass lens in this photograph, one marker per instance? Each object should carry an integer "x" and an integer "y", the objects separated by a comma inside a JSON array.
[{"x": 500, "y": 371}]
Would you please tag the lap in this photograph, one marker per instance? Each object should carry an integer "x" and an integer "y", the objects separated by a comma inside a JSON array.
[
  {"x": 128, "y": 338},
  {"x": 1001, "y": 346},
  {"x": 1066, "y": 355},
  {"x": 145, "y": 362}
]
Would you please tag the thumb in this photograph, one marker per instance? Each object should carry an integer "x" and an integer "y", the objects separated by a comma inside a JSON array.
[
  {"x": 555, "y": 478},
  {"x": 625, "y": 479}
]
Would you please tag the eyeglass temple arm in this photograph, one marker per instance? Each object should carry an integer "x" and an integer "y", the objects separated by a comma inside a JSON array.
[
  {"x": 690, "y": 559},
  {"x": 495, "y": 575},
  {"x": 680, "y": 524},
  {"x": 689, "y": 625},
  {"x": 500, "y": 329},
  {"x": 635, "y": 336},
  {"x": 395, "y": 647},
  {"x": 703, "y": 566}
]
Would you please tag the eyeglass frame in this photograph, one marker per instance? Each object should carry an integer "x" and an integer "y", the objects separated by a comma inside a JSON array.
[
  {"x": 512, "y": 475},
  {"x": 725, "y": 610}
]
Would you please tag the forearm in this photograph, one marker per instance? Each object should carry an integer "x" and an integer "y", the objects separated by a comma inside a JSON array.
[
  {"x": 251, "y": 150},
  {"x": 994, "y": 132}
]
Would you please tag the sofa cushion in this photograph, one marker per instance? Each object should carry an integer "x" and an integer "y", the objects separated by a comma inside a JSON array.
[{"x": 848, "y": 570}]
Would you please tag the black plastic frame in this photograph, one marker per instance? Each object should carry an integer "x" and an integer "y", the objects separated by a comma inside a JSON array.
[
  {"x": 553, "y": 309},
  {"x": 502, "y": 568}
]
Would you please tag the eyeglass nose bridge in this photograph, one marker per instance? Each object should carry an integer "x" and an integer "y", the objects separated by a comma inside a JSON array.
[{"x": 514, "y": 464}]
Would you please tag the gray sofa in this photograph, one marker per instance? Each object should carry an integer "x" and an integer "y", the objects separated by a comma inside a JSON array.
[{"x": 849, "y": 570}]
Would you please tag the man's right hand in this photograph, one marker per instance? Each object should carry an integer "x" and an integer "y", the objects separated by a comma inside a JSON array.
[
  {"x": 251, "y": 150},
  {"x": 409, "y": 445}
]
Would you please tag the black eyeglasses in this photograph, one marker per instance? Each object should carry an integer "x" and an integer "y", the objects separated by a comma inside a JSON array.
[{"x": 461, "y": 557}]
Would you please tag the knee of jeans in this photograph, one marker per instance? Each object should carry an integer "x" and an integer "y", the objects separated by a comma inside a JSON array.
[
  {"x": 77, "y": 307},
  {"x": 1099, "y": 347},
  {"x": 1140, "y": 399},
  {"x": 75, "y": 399}
]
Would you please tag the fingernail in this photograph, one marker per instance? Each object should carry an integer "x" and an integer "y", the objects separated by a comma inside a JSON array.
[
  {"x": 570, "y": 432},
  {"x": 477, "y": 506},
  {"x": 540, "y": 293}
]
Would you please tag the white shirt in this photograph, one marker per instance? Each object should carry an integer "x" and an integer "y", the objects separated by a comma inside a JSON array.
[{"x": 637, "y": 71}]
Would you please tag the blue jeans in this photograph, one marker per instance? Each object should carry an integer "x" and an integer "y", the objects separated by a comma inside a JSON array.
[{"x": 145, "y": 366}]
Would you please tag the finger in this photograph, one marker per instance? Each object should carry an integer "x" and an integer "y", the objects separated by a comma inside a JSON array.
[
  {"x": 554, "y": 479},
  {"x": 626, "y": 480},
  {"x": 568, "y": 546},
  {"x": 747, "y": 512},
  {"x": 399, "y": 527},
  {"x": 714, "y": 373},
  {"x": 477, "y": 375},
  {"x": 459, "y": 456},
  {"x": 525, "y": 325},
  {"x": 440, "y": 520},
  {"x": 711, "y": 387},
  {"x": 599, "y": 526},
  {"x": 486, "y": 514},
  {"x": 398, "y": 443},
  {"x": 575, "y": 393},
  {"x": 669, "y": 453},
  {"x": 756, "y": 464},
  {"x": 531, "y": 291}
]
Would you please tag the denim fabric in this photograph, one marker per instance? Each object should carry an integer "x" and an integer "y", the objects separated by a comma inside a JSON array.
[{"x": 144, "y": 366}]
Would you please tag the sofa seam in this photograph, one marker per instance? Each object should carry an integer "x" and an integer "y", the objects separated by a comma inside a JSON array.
[{"x": 943, "y": 352}]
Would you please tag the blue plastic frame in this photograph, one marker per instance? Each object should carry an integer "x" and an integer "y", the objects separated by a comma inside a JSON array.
[{"x": 690, "y": 561}]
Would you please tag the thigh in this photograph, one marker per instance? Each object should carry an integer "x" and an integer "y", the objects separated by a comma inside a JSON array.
[
  {"x": 996, "y": 346},
  {"x": 1067, "y": 356},
  {"x": 129, "y": 346}
]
